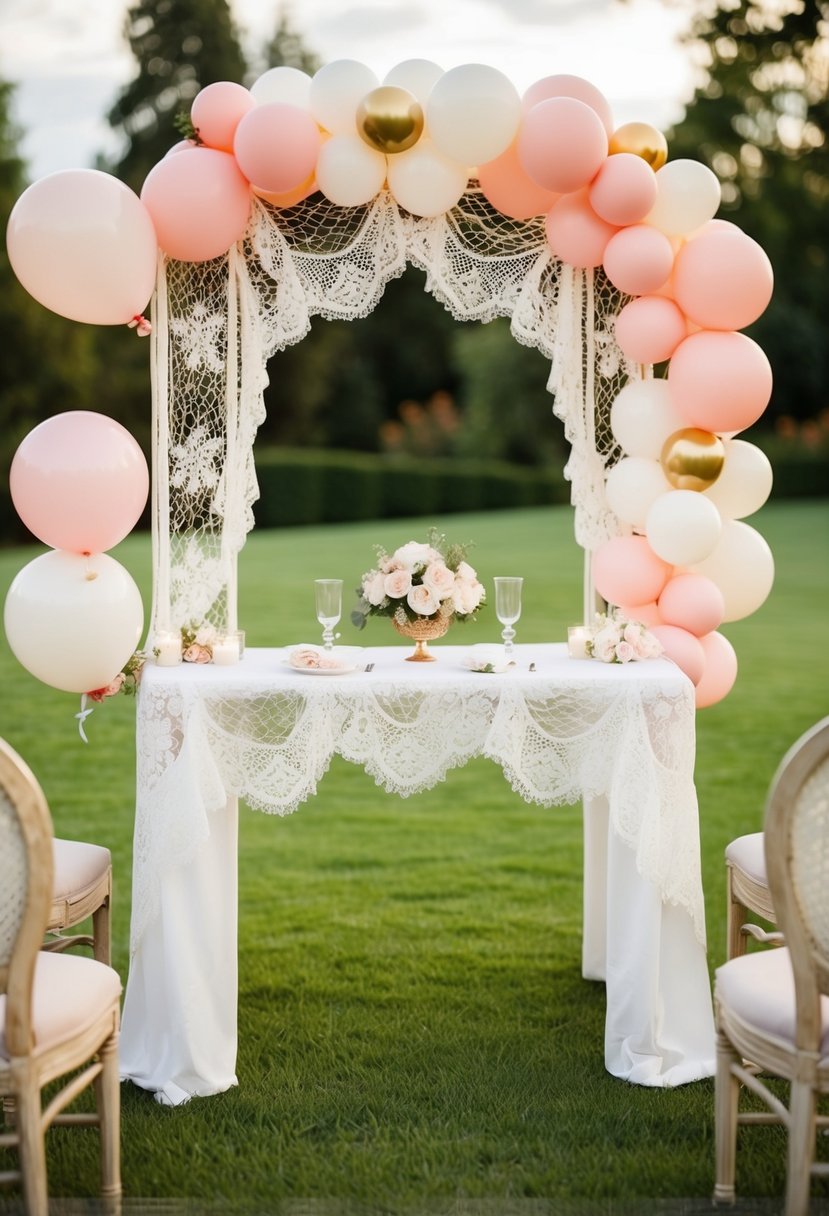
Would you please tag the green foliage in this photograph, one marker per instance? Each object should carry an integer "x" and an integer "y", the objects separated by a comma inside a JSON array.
[{"x": 287, "y": 48}]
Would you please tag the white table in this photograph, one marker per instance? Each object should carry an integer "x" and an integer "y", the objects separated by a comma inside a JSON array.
[{"x": 620, "y": 738}]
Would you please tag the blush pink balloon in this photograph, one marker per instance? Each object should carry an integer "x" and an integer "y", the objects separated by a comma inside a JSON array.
[
  {"x": 562, "y": 144},
  {"x": 719, "y": 381},
  {"x": 692, "y": 602},
  {"x": 649, "y": 329},
  {"x": 79, "y": 481},
  {"x": 638, "y": 260},
  {"x": 683, "y": 648},
  {"x": 723, "y": 279},
  {"x": 624, "y": 189},
  {"x": 217, "y": 111},
  {"x": 276, "y": 146},
  {"x": 627, "y": 571},
  {"x": 648, "y": 614},
  {"x": 199, "y": 203},
  {"x": 575, "y": 233},
  {"x": 570, "y": 86},
  {"x": 83, "y": 245},
  {"x": 720, "y": 670},
  {"x": 505, "y": 184}
]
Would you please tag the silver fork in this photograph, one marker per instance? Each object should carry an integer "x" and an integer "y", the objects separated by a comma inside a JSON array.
[{"x": 368, "y": 667}]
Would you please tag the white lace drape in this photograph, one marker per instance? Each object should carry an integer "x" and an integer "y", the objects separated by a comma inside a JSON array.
[{"x": 217, "y": 323}]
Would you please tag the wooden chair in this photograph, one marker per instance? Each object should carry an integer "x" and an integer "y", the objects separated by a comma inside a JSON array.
[
  {"x": 772, "y": 1006},
  {"x": 82, "y": 888},
  {"x": 748, "y": 893},
  {"x": 58, "y": 1012}
]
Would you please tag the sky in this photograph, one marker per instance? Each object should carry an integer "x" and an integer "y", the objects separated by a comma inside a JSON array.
[{"x": 69, "y": 59}]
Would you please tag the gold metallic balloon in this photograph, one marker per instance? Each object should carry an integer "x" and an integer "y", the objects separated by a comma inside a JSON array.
[
  {"x": 692, "y": 459},
  {"x": 390, "y": 119},
  {"x": 643, "y": 140}
]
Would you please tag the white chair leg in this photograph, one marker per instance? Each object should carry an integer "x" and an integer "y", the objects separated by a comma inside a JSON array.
[
  {"x": 32, "y": 1151},
  {"x": 108, "y": 1100},
  {"x": 726, "y": 1098},
  {"x": 801, "y": 1148}
]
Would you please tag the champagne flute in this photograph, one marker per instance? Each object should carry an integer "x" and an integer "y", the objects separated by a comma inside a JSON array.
[
  {"x": 329, "y": 600},
  {"x": 508, "y": 610}
]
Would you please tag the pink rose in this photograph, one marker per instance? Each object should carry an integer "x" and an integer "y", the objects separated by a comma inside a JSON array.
[
  {"x": 397, "y": 584},
  {"x": 467, "y": 596},
  {"x": 197, "y": 654},
  {"x": 374, "y": 588},
  {"x": 624, "y": 652},
  {"x": 439, "y": 579},
  {"x": 421, "y": 601}
]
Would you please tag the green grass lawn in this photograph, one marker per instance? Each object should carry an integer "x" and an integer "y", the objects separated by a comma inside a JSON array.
[{"x": 414, "y": 1028}]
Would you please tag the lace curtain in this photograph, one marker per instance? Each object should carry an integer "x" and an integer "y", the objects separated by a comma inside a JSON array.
[{"x": 217, "y": 323}]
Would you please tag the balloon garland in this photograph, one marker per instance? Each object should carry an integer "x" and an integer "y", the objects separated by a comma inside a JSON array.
[{"x": 86, "y": 247}]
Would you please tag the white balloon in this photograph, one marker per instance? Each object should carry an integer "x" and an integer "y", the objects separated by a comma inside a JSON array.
[
  {"x": 418, "y": 76},
  {"x": 631, "y": 487},
  {"x": 349, "y": 172},
  {"x": 682, "y": 527},
  {"x": 643, "y": 416},
  {"x": 744, "y": 483},
  {"x": 473, "y": 114},
  {"x": 72, "y": 631},
  {"x": 687, "y": 196},
  {"x": 742, "y": 566},
  {"x": 424, "y": 181},
  {"x": 336, "y": 91},
  {"x": 288, "y": 85}
]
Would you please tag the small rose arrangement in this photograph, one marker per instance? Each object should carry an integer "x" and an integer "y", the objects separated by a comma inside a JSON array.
[
  {"x": 126, "y": 681},
  {"x": 619, "y": 640},
  {"x": 197, "y": 643},
  {"x": 420, "y": 580}
]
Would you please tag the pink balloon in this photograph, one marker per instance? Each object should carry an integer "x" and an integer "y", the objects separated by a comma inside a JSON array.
[
  {"x": 723, "y": 279},
  {"x": 720, "y": 670},
  {"x": 692, "y": 602},
  {"x": 505, "y": 184},
  {"x": 627, "y": 571},
  {"x": 84, "y": 245},
  {"x": 648, "y": 614},
  {"x": 719, "y": 381},
  {"x": 638, "y": 260},
  {"x": 289, "y": 198},
  {"x": 624, "y": 189},
  {"x": 685, "y": 650},
  {"x": 199, "y": 202},
  {"x": 562, "y": 144},
  {"x": 575, "y": 233},
  {"x": 570, "y": 86},
  {"x": 79, "y": 482},
  {"x": 217, "y": 111},
  {"x": 276, "y": 146},
  {"x": 649, "y": 329}
]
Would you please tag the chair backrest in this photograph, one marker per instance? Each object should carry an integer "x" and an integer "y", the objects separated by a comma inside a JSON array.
[
  {"x": 26, "y": 880},
  {"x": 796, "y": 837}
]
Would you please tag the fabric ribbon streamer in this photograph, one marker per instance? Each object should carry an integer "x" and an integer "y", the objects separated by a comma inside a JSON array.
[{"x": 82, "y": 716}]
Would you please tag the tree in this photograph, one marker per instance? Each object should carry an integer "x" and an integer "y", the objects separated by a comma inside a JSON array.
[
  {"x": 287, "y": 49},
  {"x": 760, "y": 119},
  {"x": 181, "y": 46}
]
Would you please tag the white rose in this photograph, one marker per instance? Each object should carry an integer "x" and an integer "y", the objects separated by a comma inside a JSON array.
[
  {"x": 414, "y": 554},
  {"x": 625, "y": 652},
  {"x": 466, "y": 573},
  {"x": 467, "y": 596},
  {"x": 604, "y": 643},
  {"x": 374, "y": 588},
  {"x": 397, "y": 584},
  {"x": 439, "y": 579},
  {"x": 421, "y": 601}
]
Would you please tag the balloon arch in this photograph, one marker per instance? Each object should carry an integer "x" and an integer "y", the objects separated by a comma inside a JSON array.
[{"x": 303, "y": 197}]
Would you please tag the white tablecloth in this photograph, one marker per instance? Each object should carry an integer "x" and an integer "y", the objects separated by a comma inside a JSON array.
[{"x": 620, "y": 738}]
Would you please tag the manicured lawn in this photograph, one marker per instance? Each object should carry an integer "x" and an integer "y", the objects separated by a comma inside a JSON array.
[{"x": 414, "y": 1028}]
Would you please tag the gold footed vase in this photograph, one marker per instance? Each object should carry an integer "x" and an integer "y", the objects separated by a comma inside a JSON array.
[{"x": 423, "y": 631}]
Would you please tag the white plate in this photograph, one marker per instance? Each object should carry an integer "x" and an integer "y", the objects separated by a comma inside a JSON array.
[{"x": 341, "y": 670}]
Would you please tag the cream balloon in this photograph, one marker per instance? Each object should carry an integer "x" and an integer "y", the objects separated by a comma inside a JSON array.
[
  {"x": 73, "y": 621},
  {"x": 687, "y": 196},
  {"x": 336, "y": 91},
  {"x": 349, "y": 172},
  {"x": 418, "y": 76},
  {"x": 683, "y": 527},
  {"x": 745, "y": 482},
  {"x": 284, "y": 84},
  {"x": 742, "y": 566},
  {"x": 631, "y": 488},
  {"x": 426, "y": 182},
  {"x": 642, "y": 417},
  {"x": 473, "y": 114}
]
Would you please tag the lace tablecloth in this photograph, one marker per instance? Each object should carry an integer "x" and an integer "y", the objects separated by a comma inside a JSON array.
[{"x": 567, "y": 731}]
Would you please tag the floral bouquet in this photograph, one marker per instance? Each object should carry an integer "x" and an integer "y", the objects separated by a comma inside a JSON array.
[
  {"x": 420, "y": 581},
  {"x": 126, "y": 681},
  {"x": 618, "y": 640}
]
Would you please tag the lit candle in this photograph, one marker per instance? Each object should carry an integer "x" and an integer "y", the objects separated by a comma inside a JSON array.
[
  {"x": 226, "y": 650},
  {"x": 577, "y": 638},
  {"x": 167, "y": 649}
]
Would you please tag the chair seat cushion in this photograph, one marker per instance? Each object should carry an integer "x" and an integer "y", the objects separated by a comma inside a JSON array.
[
  {"x": 69, "y": 993},
  {"x": 78, "y": 866},
  {"x": 759, "y": 988},
  {"x": 747, "y": 853}
]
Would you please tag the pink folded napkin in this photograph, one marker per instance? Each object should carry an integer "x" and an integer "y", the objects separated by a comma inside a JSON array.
[{"x": 309, "y": 657}]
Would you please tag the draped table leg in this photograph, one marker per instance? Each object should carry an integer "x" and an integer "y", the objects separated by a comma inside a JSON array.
[
  {"x": 179, "y": 1029},
  {"x": 594, "y": 890}
]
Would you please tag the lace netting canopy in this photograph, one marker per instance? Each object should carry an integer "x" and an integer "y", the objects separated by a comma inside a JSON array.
[{"x": 217, "y": 323}]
